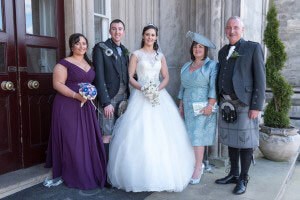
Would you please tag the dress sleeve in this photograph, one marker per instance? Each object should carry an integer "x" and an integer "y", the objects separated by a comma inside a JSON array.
[
  {"x": 212, "y": 80},
  {"x": 136, "y": 53},
  {"x": 180, "y": 93}
]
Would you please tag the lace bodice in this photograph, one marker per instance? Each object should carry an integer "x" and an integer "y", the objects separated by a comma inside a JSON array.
[{"x": 148, "y": 66}]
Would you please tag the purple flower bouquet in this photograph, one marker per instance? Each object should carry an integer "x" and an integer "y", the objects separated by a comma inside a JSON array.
[{"x": 88, "y": 91}]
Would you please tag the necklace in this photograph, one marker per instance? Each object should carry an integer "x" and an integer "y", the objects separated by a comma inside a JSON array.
[{"x": 195, "y": 66}]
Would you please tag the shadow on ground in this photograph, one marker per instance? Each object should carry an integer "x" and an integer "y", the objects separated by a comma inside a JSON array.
[{"x": 61, "y": 192}]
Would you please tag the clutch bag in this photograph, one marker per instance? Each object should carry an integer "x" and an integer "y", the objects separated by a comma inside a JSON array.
[{"x": 198, "y": 106}]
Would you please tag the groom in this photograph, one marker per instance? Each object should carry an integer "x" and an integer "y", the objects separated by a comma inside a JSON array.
[
  {"x": 110, "y": 59},
  {"x": 241, "y": 87}
]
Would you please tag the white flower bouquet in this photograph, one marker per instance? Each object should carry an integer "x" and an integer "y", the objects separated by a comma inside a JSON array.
[{"x": 150, "y": 90}]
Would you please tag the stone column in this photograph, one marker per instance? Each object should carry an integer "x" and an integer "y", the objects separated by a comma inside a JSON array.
[
  {"x": 214, "y": 36},
  {"x": 79, "y": 18},
  {"x": 89, "y": 25}
]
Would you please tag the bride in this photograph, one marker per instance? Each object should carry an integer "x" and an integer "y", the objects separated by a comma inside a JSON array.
[{"x": 150, "y": 149}]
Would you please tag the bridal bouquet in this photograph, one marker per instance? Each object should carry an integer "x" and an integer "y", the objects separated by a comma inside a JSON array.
[
  {"x": 150, "y": 90},
  {"x": 88, "y": 91}
]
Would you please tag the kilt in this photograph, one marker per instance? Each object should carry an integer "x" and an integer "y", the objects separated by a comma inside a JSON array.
[
  {"x": 242, "y": 133},
  {"x": 107, "y": 124}
]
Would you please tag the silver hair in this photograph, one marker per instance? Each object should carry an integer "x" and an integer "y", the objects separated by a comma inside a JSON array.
[{"x": 236, "y": 18}]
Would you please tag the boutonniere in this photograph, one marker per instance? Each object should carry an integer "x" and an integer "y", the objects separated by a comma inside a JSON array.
[
  {"x": 235, "y": 55},
  {"x": 126, "y": 52}
]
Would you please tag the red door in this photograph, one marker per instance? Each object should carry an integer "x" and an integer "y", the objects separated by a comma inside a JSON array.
[
  {"x": 38, "y": 41},
  {"x": 10, "y": 157}
]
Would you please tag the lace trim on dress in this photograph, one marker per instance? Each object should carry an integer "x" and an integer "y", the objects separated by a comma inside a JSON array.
[{"x": 153, "y": 60}]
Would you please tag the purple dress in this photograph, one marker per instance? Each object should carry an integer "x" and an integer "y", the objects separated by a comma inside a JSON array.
[{"x": 75, "y": 150}]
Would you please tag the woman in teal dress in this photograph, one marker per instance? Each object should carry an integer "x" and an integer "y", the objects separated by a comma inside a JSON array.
[{"x": 198, "y": 79}]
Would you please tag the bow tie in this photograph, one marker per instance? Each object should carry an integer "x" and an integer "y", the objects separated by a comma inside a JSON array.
[{"x": 231, "y": 50}]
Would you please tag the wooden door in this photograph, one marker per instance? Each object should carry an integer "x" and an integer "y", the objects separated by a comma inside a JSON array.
[
  {"x": 38, "y": 40},
  {"x": 40, "y": 36},
  {"x": 10, "y": 157}
]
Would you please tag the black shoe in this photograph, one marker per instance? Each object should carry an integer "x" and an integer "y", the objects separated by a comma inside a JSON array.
[
  {"x": 240, "y": 187},
  {"x": 228, "y": 179},
  {"x": 107, "y": 185}
]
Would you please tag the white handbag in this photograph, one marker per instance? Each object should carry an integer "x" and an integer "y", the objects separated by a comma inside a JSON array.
[{"x": 198, "y": 107}]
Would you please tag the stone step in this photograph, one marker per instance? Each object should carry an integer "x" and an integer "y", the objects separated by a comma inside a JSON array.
[
  {"x": 268, "y": 181},
  {"x": 292, "y": 188},
  {"x": 16, "y": 181}
]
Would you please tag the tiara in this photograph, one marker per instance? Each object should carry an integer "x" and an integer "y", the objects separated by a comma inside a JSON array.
[{"x": 151, "y": 24}]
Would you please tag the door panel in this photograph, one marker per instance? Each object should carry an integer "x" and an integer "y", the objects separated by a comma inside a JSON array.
[
  {"x": 10, "y": 158},
  {"x": 42, "y": 27}
]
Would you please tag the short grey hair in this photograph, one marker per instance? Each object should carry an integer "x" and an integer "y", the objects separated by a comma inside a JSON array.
[{"x": 236, "y": 18}]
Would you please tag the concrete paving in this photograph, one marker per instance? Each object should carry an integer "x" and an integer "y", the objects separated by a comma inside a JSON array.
[
  {"x": 292, "y": 191},
  {"x": 16, "y": 181},
  {"x": 268, "y": 181}
]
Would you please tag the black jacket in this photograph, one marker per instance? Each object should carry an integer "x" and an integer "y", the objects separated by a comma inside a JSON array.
[
  {"x": 109, "y": 71},
  {"x": 249, "y": 76}
]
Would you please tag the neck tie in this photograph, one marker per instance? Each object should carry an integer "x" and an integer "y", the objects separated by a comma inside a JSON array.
[
  {"x": 119, "y": 51},
  {"x": 231, "y": 50}
]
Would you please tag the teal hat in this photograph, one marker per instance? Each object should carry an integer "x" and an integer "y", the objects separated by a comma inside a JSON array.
[{"x": 200, "y": 39}]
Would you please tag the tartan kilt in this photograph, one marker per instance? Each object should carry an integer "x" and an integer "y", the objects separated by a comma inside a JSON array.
[
  {"x": 107, "y": 124},
  {"x": 242, "y": 133}
]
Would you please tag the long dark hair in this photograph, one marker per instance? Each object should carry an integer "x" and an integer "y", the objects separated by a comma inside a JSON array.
[
  {"x": 150, "y": 26},
  {"x": 191, "y": 51},
  {"x": 73, "y": 39}
]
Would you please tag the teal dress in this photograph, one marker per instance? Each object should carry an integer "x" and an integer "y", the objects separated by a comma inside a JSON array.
[{"x": 199, "y": 86}]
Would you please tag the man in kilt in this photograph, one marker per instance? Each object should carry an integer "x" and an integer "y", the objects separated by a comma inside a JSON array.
[
  {"x": 110, "y": 59},
  {"x": 241, "y": 86}
]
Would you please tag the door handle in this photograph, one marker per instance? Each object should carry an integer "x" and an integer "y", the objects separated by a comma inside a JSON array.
[
  {"x": 7, "y": 85},
  {"x": 33, "y": 84}
]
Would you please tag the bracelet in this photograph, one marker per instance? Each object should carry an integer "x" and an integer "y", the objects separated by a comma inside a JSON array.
[
  {"x": 210, "y": 105},
  {"x": 73, "y": 96}
]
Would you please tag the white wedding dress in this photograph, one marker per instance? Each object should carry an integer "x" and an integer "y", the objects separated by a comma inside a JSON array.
[{"x": 150, "y": 149}]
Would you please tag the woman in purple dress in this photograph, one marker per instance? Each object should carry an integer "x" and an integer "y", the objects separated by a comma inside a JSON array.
[{"x": 75, "y": 150}]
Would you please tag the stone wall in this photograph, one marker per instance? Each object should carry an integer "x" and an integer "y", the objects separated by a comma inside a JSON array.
[
  {"x": 175, "y": 17},
  {"x": 289, "y": 31},
  {"x": 78, "y": 15}
]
